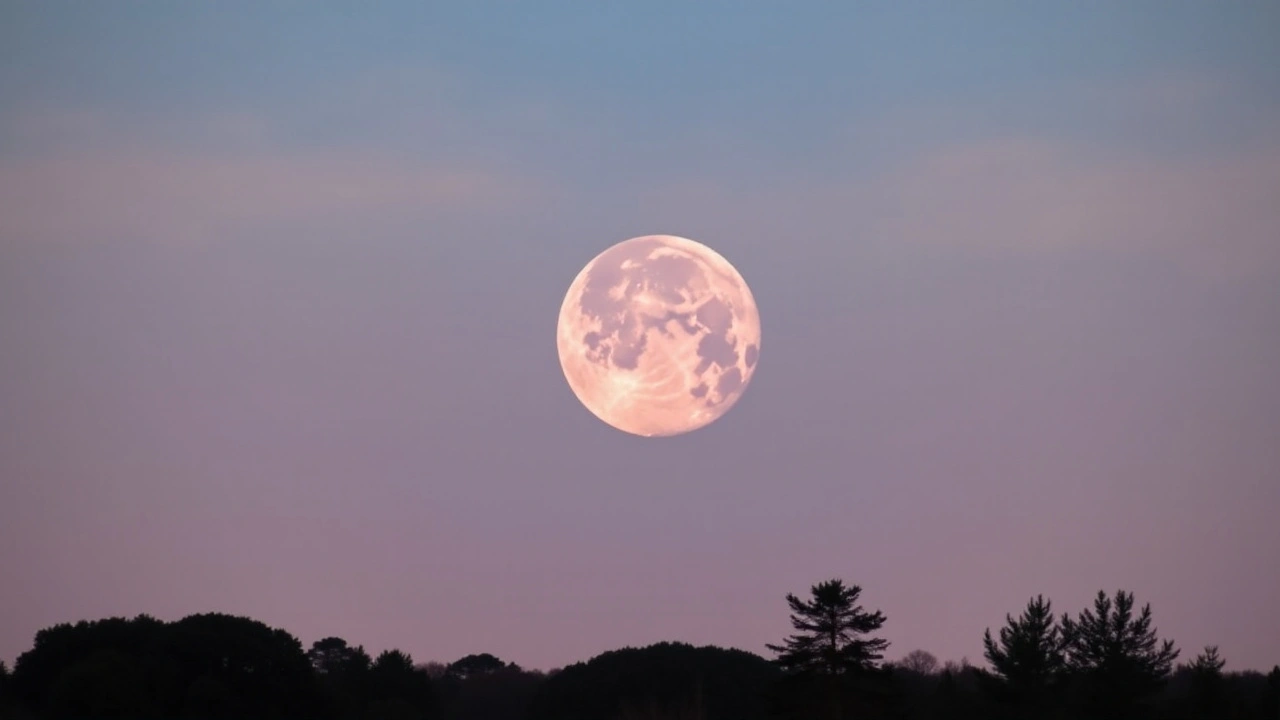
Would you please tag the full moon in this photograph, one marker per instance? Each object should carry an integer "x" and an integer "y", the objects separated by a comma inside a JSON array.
[{"x": 658, "y": 335}]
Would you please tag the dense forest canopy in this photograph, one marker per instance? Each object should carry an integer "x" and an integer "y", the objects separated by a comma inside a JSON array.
[{"x": 1106, "y": 662}]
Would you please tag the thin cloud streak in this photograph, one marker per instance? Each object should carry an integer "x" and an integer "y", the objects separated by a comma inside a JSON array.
[
  {"x": 1214, "y": 216},
  {"x": 1026, "y": 194},
  {"x": 163, "y": 197}
]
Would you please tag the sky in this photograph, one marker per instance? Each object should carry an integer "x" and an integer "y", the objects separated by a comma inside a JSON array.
[{"x": 279, "y": 285}]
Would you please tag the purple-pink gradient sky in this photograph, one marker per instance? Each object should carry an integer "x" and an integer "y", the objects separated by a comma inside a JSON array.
[{"x": 279, "y": 282}]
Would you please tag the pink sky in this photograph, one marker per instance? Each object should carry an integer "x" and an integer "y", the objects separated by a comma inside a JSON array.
[{"x": 278, "y": 330}]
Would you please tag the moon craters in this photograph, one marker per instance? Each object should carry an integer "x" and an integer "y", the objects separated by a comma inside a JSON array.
[{"x": 658, "y": 335}]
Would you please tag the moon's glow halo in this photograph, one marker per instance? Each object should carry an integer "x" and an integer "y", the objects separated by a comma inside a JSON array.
[{"x": 658, "y": 335}]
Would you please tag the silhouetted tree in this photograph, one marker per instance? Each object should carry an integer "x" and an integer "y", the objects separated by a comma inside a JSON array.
[
  {"x": 1271, "y": 699},
  {"x": 68, "y": 670},
  {"x": 343, "y": 674},
  {"x": 663, "y": 680},
  {"x": 332, "y": 656},
  {"x": 473, "y": 666},
  {"x": 1208, "y": 662},
  {"x": 1115, "y": 656},
  {"x": 831, "y": 645},
  {"x": 200, "y": 666},
  {"x": 1028, "y": 659},
  {"x": 915, "y": 678},
  {"x": 397, "y": 689},
  {"x": 1207, "y": 684},
  {"x": 7, "y": 701},
  {"x": 831, "y": 633},
  {"x": 957, "y": 695},
  {"x": 495, "y": 694},
  {"x": 920, "y": 662},
  {"x": 434, "y": 669},
  {"x": 245, "y": 667},
  {"x": 219, "y": 666},
  {"x": 462, "y": 683}
]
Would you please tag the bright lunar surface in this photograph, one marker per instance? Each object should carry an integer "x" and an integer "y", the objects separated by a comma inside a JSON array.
[{"x": 658, "y": 335}]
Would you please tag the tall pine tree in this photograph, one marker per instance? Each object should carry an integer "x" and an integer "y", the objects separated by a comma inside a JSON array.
[
  {"x": 831, "y": 632},
  {"x": 831, "y": 652},
  {"x": 1116, "y": 656},
  {"x": 1208, "y": 687},
  {"x": 1028, "y": 657}
]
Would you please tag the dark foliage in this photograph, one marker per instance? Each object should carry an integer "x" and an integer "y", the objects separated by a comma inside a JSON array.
[
  {"x": 207, "y": 666},
  {"x": 483, "y": 687},
  {"x": 1115, "y": 660},
  {"x": 201, "y": 666},
  {"x": 1104, "y": 664},
  {"x": 1207, "y": 685},
  {"x": 397, "y": 690},
  {"x": 831, "y": 663},
  {"x": 666, "y": 680},
  {"x": 831, "y": 630},
  {"x": 918, "y": 662},
  {"x": 332, "y": 657},
  {"x": 475, "y": 666},
  {"x": 342, "y": 672},
  {"x": 1271, "y": 698},
  {"x": 1240, "y": 696},
  {"x": 1028, "y": 660},
  {"x": 8, "y": 703}
]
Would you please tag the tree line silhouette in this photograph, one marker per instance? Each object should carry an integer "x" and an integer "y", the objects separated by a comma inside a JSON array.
[{"x": 1107, "y": 662}]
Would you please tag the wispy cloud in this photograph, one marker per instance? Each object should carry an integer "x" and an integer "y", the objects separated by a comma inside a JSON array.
[
  {"x": 1214, "y": 214},
  {"x": 87, "y": 175},
  {"x": 1032, "y": 194},
  {"x": 163, "y": 196},
  {"x": 1207, "y": 204}
]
